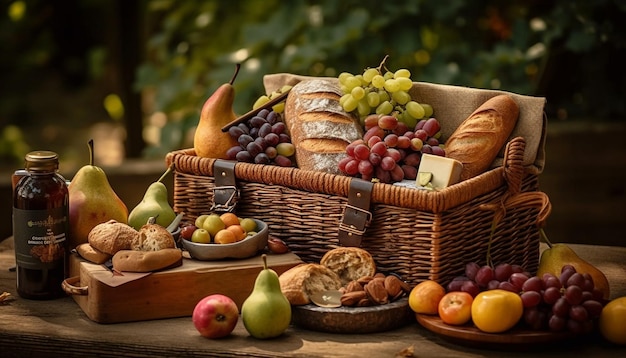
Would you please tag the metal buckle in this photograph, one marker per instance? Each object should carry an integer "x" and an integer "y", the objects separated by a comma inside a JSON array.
[
  {"x": 230, "y": 203},
  {"x": 351, "y": 229}
]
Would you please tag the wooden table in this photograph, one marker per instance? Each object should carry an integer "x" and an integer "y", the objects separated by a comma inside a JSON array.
[{"x": 60, "y": 328}]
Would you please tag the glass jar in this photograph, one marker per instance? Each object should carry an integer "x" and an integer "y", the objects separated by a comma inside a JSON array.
[{"x": 41, "y": 227}]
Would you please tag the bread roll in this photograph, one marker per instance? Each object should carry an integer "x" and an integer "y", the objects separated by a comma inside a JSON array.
[
  {"x": 319, "y": 127},
  {"x": 481, "y": 136},
  {"x": 146, "y": 261},
  {"x": 111, "y": 236},
  {"x": 300, "y": 282},
  {"x": 86, "y": 251},
  {"x": 349, "y": 263},
  {"x": 153, "y": 237}
]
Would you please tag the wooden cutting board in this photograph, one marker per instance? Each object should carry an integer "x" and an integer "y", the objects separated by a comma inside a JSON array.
[{"x": 166, "y": 294}]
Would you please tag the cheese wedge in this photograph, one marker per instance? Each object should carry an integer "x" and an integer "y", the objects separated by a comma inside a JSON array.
[{"x": 444, "y": 171}]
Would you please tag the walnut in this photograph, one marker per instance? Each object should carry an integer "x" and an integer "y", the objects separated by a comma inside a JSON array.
[
  {"x": 352, "y": 298},
  {"x": 376, "y": 291},
  {"x": 354, "y": 286},
  {"x": 393, "y": 286}
]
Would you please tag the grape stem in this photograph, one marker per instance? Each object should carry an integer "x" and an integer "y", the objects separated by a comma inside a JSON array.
[{"x": 382, "y": 64}]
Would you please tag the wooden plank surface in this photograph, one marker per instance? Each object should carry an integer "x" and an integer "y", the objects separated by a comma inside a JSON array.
[{"x": 61, "y": 328}]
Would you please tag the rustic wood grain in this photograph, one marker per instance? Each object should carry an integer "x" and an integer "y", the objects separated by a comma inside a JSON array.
[{"x": 61, "y": 328}]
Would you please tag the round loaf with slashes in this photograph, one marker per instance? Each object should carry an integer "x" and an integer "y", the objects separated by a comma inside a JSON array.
[{"x": 112, "y": 236}]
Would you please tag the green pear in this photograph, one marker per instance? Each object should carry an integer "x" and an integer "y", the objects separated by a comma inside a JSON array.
[
  {"x": 154, "y": 204},
  {"x": 266, "y": 313},
  {"x": 558, "y": 255},
  {"x": 92, "y": 201}
]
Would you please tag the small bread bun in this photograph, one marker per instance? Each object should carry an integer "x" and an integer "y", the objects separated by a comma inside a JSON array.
[
  {"x": 112, "y": 236},
  {"x": 300, "y": 282},
  {"x": 349, "y": 263},
  {"x": 153, "y": 237},
  {"x": 87, "y": 252},
  {"x": 147, "y": 261}
]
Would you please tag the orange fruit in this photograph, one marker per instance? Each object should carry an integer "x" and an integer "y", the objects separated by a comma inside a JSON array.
[
  {"x": 224, "y": 237},
  {"x": 229, "y": 219},
  {"x": 239, "y": 232},
  {"x": 424, "y": 298},
  {"x": 612, "y": 321}
]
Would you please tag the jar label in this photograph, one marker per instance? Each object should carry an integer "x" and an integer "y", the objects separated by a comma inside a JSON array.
[{"x": 40, "y": 237}]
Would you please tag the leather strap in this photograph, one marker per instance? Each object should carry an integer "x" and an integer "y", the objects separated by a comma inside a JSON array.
[
  {"x": 356, "y": 215},
  {"x": 225, "y": 192}
]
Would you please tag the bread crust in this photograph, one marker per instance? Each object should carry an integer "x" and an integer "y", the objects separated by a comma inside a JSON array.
[
  {"x": 112, "y": 236},
  {"x": 319, "y": 127},
  {"x": 86, "y": 251},
  {"x": 300, "y": 282},
  {"x": 349, "y": 263},
  {"x": 146, "y": 261},
  {"x": 153, "y": 237},
  {"x": 480, "y": 137}
]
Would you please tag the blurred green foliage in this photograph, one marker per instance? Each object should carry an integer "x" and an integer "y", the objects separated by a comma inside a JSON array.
[
  {"x": 569, "y": 51},
  {"x": 517, "y": 46}
]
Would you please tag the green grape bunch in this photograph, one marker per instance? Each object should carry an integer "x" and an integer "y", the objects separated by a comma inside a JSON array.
[{"x": 384, "y": 92}]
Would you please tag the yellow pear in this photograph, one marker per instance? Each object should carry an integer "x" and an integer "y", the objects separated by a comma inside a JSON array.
[
  {"x": 92, "y": 201},
  {"x": 558, "y": 255},
  {"x": 209, "y": 140}
]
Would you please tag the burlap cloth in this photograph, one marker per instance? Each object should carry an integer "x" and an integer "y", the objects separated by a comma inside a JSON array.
[{"x": 453, "y": 104}]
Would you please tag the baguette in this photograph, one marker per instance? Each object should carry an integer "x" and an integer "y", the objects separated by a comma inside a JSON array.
[
  {"x": 319, "y": 127},
  {"x": 300, "y": 282},
  {"x": 349, "y": 263},
  {"x": 146, "y": 261},
  {"x": 481, "y": 136}
]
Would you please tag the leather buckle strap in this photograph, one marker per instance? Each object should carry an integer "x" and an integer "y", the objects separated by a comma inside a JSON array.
[
  {"x": 225, "y": 192},
  {"x": 356, "y": 214}
]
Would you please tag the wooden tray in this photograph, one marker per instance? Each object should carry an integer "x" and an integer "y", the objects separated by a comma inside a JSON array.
[
  {"x": 470, "y": 335},
  {"x": 170, "y": 293},
  {"x": 353, "y": 319}
]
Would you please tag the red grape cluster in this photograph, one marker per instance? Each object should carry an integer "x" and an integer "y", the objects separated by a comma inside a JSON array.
[
  {"x": 390, "y": 151},
  {"x": 263, "y": 139},
  {"x": 569, "y": 302}
]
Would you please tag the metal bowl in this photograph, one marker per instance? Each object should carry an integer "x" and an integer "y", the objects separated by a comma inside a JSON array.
[{"x": 245, "y": 248}]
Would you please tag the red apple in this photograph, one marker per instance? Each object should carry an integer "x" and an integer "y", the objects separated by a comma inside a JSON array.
[{"x": 215, "y": 316}]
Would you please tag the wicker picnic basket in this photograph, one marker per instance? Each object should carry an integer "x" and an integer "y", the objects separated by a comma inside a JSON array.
[{"x": 417, "y": 234}]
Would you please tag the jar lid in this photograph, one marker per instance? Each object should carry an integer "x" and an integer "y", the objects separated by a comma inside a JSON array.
[{"x": 42, "y": 160}]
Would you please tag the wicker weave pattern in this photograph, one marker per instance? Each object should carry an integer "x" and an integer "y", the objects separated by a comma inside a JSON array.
[{"x": 417, "y": 234}]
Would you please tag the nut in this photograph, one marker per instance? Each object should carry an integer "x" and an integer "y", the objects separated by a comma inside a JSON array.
[
  {"x": 276, "y": 245},
  {"x": 352, "y": 298},
  {"x": 376, "y": 291},
  {"x": 393, "y": 286},
  {"x": 365, "y": 302},
  {"x": 379, "y": 274},
  {"x": 354, "y": 286},
  {"x": 365, "y": 279}
]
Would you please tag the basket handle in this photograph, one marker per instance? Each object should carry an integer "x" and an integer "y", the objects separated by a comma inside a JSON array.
[
  {"x": 69, "y": 286},
  {"x": 514, "y": 197},
  {"x": 356, "y": 214}
]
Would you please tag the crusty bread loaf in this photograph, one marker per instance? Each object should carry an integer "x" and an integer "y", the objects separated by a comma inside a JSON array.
[
  {"x": 480, "y": 137},
  {"x": 153, "y": 237},
  {"x": 349, "y": 263},
  {"x": 86, "y": 251},
  {"x": 111, "y": 236},
  {"x": 300, "y": 282},
  {"x": 146, "y": 261},
  {"x": 319, "y": 127}
]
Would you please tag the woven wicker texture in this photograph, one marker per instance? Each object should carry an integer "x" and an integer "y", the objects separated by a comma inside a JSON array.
[{"x": 415, "y": 233}]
